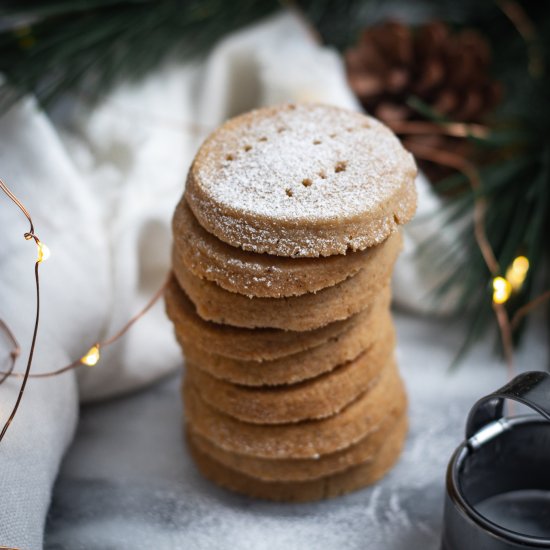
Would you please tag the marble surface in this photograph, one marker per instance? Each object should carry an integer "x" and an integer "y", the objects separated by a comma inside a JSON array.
[{"x": 128, "y": 482}]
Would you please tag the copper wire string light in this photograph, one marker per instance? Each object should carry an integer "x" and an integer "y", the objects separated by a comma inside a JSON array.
[
  {"x": 90, "y": 358},
  {"x": 503, "y": 286},
  {"x": 40, "y": 258},
  {"x": 14, "y": 353},
  {"x": 93, "y": 355}
]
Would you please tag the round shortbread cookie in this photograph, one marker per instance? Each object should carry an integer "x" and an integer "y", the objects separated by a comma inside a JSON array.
[
  {"x": 302, "y": 181},
  {"x": 360, "y": 338},
  {"x": 315, "y": 398},
  {"x": 307, "y": 439},
  {"x": 242, "y": 343},
  {"x": 305, "y": 469},
  {"x": 298, "y": 313},
  {"x": 258, "y": 275},
  {"x": 340, "y": 483}
]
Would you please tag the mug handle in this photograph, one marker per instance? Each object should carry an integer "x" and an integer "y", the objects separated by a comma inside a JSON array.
[{"x": 529, "y": 388}]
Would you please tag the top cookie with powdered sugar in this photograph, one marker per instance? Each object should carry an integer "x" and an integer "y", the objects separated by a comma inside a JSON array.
[{"x": 303, "y": 180}]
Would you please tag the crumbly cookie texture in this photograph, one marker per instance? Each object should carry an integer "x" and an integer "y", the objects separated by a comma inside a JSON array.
[
  {"x": 319, "y": 397},
  {"x": 351, "y": 479},
  {"x": 306, "y": 469},
  {"x": 255, "y": 275},
  {"x": 367, "y": 337},
  {"x": 298, "y": 313},
  {"x": 302, "y": 181},
  {"x": 307, "y": 439},
  {"x": 242, "y": 343}
]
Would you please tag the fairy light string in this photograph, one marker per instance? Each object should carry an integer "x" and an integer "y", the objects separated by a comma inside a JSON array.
[
  {"x": 41, "y": 256},
  {"x": 14, "y": 353},
  {"x": 511, "y": 282},
  {"x": 90, "y": 358},
  {"x": 503, "y": 286},
  {"x": 93, "y": 355}
]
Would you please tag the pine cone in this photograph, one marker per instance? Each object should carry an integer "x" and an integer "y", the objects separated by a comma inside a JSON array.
[{"x": 449, "y": 72}]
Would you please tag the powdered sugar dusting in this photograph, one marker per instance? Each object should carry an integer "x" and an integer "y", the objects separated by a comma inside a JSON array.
[
  {"x": 302, "y": 163},
  {"x": 302, "y": 181}
]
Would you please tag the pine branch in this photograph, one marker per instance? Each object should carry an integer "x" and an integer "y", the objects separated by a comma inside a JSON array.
[{"x": 49, "y": 48}]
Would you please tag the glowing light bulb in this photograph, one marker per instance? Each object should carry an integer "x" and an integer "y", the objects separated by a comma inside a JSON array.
[
  {"x": 92, "y": 356},
  {"x": 501, "y": 290},
  {"x": 43, "y": 252},
  {"x": 517, "y": 272}
]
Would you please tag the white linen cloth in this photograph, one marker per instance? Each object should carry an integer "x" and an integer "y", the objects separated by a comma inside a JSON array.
[{"x": 101, "y": 185}]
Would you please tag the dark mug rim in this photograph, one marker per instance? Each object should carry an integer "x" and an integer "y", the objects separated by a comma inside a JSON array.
[{"x": 454, "y": 490}]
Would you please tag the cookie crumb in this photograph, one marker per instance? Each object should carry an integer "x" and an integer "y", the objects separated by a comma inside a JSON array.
[{"x": 340, "y": 166}]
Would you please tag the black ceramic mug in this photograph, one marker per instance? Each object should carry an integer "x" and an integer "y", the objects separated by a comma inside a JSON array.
[{"x": 498, "y": 480}]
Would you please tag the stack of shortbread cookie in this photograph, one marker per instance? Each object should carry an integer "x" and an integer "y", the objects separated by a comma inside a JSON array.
[{"x": 284, "y": 245}]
